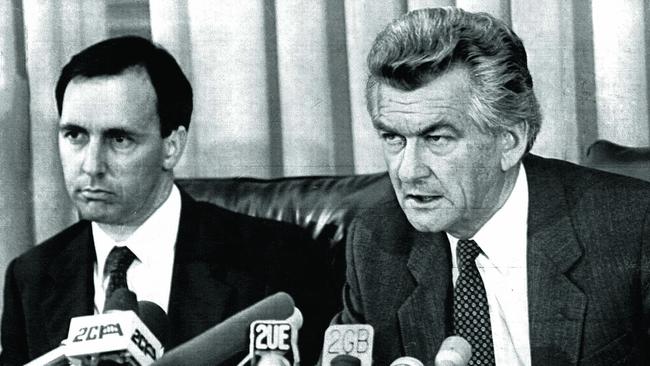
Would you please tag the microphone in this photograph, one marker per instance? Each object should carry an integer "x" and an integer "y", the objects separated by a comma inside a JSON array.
[
  {"x": 272, "y": 340},
  {"x": 454, "y": 351},
  {"x": 345, "y": 360},
  {"x": 117, "y": 336},
  {"x": 229, "y": 337},
  {"x": 348, "y": 339},
  {"x": 155, "y": 318},
  {"x": 273, "y": 359},
  {"x": 121, "y": 300},
  {"x": 407, "y": 361}
]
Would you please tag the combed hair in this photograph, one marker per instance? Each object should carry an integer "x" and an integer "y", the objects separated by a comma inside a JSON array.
[
  {"x": 117, "y": 55},
  {"x": 421, "y": 45}
]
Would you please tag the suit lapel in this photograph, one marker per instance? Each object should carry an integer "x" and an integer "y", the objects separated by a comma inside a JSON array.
[
  {"x": 71, "y": 292},
  {"x": 198, "y": 296},
  {"x": 556, "y": 306},
  {"x": 424, "y": 316}
]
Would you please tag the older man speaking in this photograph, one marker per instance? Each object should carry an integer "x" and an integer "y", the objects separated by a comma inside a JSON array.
[{"x": 534, "y": 261}]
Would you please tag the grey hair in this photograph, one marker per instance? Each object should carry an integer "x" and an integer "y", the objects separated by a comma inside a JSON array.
[{"x": 423, "y": 44}]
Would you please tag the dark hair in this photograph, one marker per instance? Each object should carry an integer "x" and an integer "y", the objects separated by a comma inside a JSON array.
[
  {"x": 116, "y": 55},
  {"x": 423, "y": 44}
]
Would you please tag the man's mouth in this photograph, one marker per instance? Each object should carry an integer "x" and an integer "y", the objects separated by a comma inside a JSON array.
[
  {"x": 94, "y": 194},
  {"x": 421, "y": 199}
]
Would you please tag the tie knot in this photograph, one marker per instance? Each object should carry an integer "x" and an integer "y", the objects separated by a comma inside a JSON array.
[
  {"x": 118, "y": 260},
  {"x": 467, "y": 250}
]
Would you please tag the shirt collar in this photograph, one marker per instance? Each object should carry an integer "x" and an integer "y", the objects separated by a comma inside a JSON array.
[
  {"x": 150, "y": 239},
  {"x": 503, "y": 237}
]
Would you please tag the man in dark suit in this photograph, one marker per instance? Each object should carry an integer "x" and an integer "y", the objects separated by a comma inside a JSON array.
[
  {"x": 533, "y": 261},
  {"x": 125, "y": 108}
]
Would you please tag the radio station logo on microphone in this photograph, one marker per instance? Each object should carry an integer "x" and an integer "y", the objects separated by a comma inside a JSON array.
[
  {"x": 101, "y": 331},
  {"x": 353, "y": 340},
  {"x": 143, "y": 344},
  {"x": 105, "y": 334},
  {"x": 97, "y": 332},
  {"x": 271, "y": 339}
]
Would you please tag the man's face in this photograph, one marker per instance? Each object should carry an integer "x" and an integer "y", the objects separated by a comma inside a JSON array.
[
  {"x": 446, "y": 172},
  {"x": 111, "y": 149}
]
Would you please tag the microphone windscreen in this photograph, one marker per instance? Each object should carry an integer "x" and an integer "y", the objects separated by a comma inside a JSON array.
[
  {"x": 154, "y": 317},
  {"x": 226, "y": 339},
  {"x": 345, "y": 360},
  {"x": 122, "y": 299},
  {"x": 272, "y": 359},
  {"x": 454, "y": 351},
  {"x": 407, "y": 361}
]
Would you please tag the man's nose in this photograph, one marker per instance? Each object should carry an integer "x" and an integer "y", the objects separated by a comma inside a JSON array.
[
  {"x": 413, "y": 163},
  {"x": 94, "y": 160}
]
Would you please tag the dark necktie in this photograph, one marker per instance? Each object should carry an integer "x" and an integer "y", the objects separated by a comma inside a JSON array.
[
  {"x": 471, "y": 310},
  {"x": 118, "y": 261}
]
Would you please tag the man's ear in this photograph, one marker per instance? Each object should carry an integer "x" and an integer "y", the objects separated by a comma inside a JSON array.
[
  {"x": 173, "y": 146},
  {"x": 513, "y": 141}
]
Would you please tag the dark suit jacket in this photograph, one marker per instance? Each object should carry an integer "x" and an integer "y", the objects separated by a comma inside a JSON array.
[
  {"x": 224, "y": 262},
  {"x": 588, "y": 272}
]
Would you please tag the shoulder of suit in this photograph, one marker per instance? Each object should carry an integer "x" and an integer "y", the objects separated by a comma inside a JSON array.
[
  {"x": 580, "y": 182},
  {"x": 42, "y": 253},
  {"x": 382, "y": 227},
  {"x": 383, "y": 212}
]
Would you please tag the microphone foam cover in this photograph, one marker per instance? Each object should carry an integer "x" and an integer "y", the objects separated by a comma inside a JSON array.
[
  {"x": 407, "y": 361},
  {"x": 345, "y": 360},
  {"x": 122, "y": 299},
  {"x": 272, "y": 359},
  {"x": 454, "y": 350},
  {"x": 154, "y": 317}
]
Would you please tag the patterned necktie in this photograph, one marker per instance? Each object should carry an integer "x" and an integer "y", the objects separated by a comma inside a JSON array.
[
  {"x": 471, "y": 310},
  {"x": 118, "y": 261}
]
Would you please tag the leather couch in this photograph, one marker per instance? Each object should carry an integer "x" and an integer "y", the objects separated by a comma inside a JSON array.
[{"x": 324, "y": 205}]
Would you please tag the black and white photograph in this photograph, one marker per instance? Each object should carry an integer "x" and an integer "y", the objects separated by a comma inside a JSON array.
[{"x": 325, "y": 182}]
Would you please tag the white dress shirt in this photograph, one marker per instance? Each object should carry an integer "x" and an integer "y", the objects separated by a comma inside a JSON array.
[
  {"x": 153, "y": 244},
  {"x": 502, "y": 268}
]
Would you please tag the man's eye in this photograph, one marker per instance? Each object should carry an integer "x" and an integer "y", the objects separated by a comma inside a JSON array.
[
  {"x": 438, "y": 139},
  {"x": 73, "y": 136},
  {"x": 121, "y": 142},
  {"x": 391, "y": 138}
]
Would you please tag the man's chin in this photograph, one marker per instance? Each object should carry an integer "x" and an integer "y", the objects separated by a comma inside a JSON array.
[
  {"x": 426, "y": 221},
  {"x": 101, "y": 217}
]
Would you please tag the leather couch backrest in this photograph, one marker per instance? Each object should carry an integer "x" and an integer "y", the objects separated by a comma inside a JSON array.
[{"x": 323, "y": 205}]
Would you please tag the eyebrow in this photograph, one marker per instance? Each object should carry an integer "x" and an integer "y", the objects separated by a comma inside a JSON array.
[
  {"x": 430, "y": 128},
  {"x": 70, "y": 127},
  {"x": 379, "y": 125},
  {"x": 118, "y": 132},
  {"x": 108, "y": 132}
]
